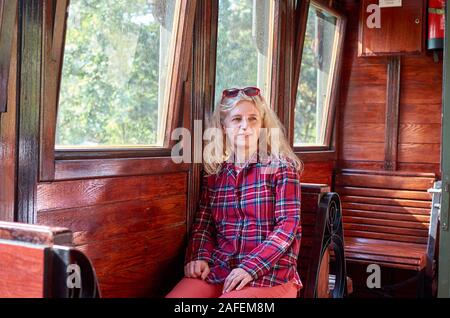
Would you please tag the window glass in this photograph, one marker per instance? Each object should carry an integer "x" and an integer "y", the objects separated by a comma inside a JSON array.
[
  {"x": 114, "y": 73},
  {"x": 312, "y": 102},
  {"x": 243, "y": 45}
]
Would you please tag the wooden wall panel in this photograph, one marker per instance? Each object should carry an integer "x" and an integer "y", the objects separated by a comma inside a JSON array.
[
  {"x": 132, "y": 228},
  {"x": 8, "y": 139},
  {"x": 363, "y": 108},
  {"x": 318, "y": 172}
]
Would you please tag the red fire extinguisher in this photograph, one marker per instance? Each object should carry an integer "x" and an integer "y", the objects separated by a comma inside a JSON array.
[{"x": 436, "y": 24}]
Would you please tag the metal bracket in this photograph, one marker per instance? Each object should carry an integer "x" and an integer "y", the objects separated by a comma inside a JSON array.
[{"x": 444, "y": 212}]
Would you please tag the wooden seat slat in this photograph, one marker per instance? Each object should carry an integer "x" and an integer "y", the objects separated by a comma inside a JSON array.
[
  {"x": 383, "y": 193},
  {"x": 384, "y": 181},
  {"x": 386, "y": 236},
  {"x": 387, "y": 215},
  {"x": 386, "y": 201},
  {"x": 388, "y": 223},
  {"x": 385, "y": 208},
  {"x": 383, "y": 229}
]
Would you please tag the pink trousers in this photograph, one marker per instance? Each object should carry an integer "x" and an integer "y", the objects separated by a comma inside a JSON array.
[{"x": 197, "y": 288}]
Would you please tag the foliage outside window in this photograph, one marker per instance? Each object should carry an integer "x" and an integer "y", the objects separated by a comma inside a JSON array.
[
  {"x": 115, "y": 72},
  {"x": 243, "y": 45},
  {"x": 312, "y": 107}
]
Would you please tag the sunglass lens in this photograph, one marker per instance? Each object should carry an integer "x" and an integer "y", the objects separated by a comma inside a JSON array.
[
  {"x": 251, "y": 91},
  {"x": 232, "y": 92}
]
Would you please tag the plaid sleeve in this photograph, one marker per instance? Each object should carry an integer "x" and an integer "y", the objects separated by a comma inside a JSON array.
[
  {"x": 287, "y": 224},
  {"x": 202, "y": 241}
]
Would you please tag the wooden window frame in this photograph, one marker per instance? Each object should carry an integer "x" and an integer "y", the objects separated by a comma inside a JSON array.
[
  {"x": 8, "y": 15},
  {"x": 329, "y": 148},
  {"x": 67, "y": 161}
]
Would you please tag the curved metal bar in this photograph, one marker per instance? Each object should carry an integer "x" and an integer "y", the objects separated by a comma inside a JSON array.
[{"x": 330, "y": 235}]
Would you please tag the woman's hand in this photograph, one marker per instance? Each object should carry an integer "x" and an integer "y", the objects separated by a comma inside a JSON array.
[
  {"x": 237, "y": 276},
  {"x": 196, "y": 269}
]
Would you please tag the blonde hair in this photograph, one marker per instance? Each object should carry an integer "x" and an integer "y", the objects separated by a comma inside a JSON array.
[{"x": 216, "y": 152}]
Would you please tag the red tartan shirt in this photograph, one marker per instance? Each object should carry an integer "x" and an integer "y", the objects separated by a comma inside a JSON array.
[{"x": 249, "y": 219}]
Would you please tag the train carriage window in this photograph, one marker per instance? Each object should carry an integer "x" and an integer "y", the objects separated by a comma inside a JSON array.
[
  {"x": 318, "y": 78},
  {"x": 115, "y": 73},
  {"x": 244, "y": 38}
]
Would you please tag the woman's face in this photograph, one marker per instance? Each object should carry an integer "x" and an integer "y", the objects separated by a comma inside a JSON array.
[{"x": 242, "y": 126}]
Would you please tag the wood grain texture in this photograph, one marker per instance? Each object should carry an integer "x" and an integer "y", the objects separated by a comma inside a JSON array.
[
  {"x": 115, "y": 167},
  {"x": 8, "y": 140},
  {"x": 88, "y": 192},
  {"x": 23, "y": 270},
  {"x": 383, "y": 212},
  {"x": 363, "y": 101},
  {"x": 398, "y": 34},
  {"x": 132, "y": 228},
  {"x": 30, "y": 13}
]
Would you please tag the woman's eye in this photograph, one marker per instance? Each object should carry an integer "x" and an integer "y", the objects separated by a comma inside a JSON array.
[{"x": 236, "y": 119}]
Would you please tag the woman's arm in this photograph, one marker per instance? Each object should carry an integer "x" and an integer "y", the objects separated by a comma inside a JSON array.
[
  {"x": 202, "y": 241},
  {"x": 287, "y": 217}
]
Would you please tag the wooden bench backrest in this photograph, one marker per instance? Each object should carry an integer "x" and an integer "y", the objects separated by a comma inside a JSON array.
[
  {"x": 393, "y": 206},
  {"x": 32, "y": 264},
  {"x": 310, "y": 197}
]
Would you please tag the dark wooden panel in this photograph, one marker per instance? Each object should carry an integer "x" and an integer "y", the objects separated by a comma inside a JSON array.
[
  {"x": 365, "y": 94},
  {"x": 386, "y": 193},
  {"x": 392, "y": 225},
  {"x": 418, "y": 70},
  {"x": 398, "y": 34},
  {"x": 385, "y": 208},
  {"x": 384, "y": 181},
  {"x": 421, "y": 93},
  {"x": 363, "y": 100},
  {"x": 384, "y": 236},
  {"x": 359, "y": 74},
  {"x": 404, "y": 232},
  {"x": 416, "y": 153},
  {"x": 30, "y": 21},
  {"x": 366, "y": 113},
  {"x": 141, "y": 264},
  {"x": 319, "y": 172},
  {"x": 421, "y": 113},
  {"x": 401, "y": 166},
  {"x": 99, "y": 223},
  {"x": 8, "y": 15},
  {"x": 98, "y": 168},
  {"x": 420, "y": 133},
  {"x": 81, "y": 193},
  {"x": 362, "y": 151},
  {"x": 386, "y": 201},
  {"x": 387, "y": 215},
  {"x": 363, "y": 132},
  {"x": 8, "y": 140}
]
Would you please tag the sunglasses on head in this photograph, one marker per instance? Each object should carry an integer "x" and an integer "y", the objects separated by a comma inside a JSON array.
[{"x": 233, "y": 92}]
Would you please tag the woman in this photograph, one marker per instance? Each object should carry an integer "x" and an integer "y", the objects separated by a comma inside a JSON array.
[{"x": 246, "y": 236}]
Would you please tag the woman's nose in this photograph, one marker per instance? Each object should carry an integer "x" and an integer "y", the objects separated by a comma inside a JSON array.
[{"x": 244, "y": 124}]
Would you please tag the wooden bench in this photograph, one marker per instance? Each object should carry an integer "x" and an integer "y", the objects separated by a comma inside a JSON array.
[
  {"x": 387, "y": 218},
  {"x": 34, "y": 263},
  {"x": 322, "y": 232},
  {"x": 47, "y": 251}
]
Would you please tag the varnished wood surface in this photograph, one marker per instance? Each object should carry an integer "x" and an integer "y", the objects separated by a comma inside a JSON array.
[
  {"x": 386, "y": 217},
  {"x": 363, "y": 105},
  {"x": 132, "y": 228},
  {"x": 34, "y": 234},
  {"x": 22, "y": 270},
  {"x": 398, "y": 34},
  {"x": 8, "y": 140},
  {"x": 88, "y": 192}
]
